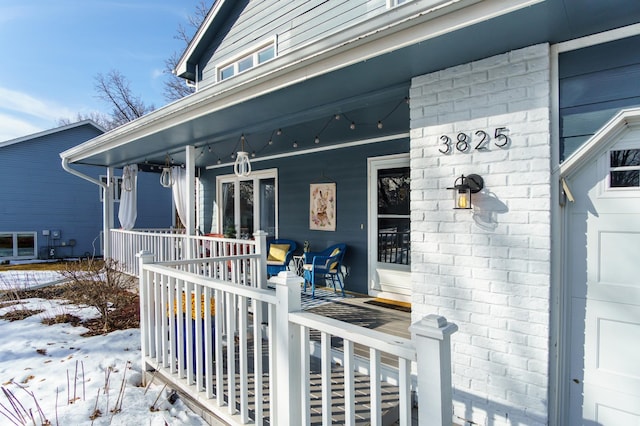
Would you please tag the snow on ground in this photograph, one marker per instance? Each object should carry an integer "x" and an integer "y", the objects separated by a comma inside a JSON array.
[{"x": 72, "y": 377}]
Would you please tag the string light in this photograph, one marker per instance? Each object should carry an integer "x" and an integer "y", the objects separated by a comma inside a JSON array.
[
  {"x": 352, "y": 126},
  {"x": 317, "y": 140},
  {"x": 379, "y": 124}
]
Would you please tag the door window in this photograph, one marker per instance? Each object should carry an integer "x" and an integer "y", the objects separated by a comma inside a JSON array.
[
  {"x": 394, "y": 238},
  {"x": 253, "y": 208}
]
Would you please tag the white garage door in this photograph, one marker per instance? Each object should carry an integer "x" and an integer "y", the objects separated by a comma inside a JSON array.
[{"x": 604, "y": 273}]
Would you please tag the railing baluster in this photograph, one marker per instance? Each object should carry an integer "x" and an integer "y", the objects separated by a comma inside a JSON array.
[
  {"x": 325, "y": 362},
  {"x": 404, "y": 384},
  {"x": 172, "y": 313},
  {"x": 305, "y": 376},
  {"x": 349, "y": 384},
  {"x": 208, "y": 342},
  {"x": 198, "y": 325},
  {"x": 244, "y": 370},
  {"x": 273, "y": 371},
  {"x": 374, "y": 371},
  {"x": 257, "y": 360},
  {"x": 231, "y": 352},
  {"x": 219, "y": 320}
]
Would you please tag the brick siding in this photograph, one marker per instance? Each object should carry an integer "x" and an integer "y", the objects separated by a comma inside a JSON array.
[{"x": 488, "y": 270}]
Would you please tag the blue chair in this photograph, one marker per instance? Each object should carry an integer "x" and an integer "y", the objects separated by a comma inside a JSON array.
[
  {"x": 325, "y": 264},
  {"x": 279, "y": 254}
]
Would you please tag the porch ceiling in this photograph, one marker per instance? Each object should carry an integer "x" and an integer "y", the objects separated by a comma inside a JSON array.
[{"x": 363, "y": 92}]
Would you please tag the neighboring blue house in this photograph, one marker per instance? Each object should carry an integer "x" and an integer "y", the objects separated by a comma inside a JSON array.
[
  {"x": 393, "y": 102},
  {"x": 47, "y": 213}
]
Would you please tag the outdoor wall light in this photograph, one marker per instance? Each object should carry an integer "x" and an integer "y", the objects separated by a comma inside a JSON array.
[
  {"x": 242, "y": 165},
  {"x": 463, "y": 187}
]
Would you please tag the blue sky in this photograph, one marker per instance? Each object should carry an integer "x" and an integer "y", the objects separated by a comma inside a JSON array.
[{"x": 52, "y": 50}]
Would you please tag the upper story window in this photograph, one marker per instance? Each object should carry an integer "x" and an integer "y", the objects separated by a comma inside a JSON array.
[
  {"x": 624, "y": 168},
  {"x": 247, "y": 60}
]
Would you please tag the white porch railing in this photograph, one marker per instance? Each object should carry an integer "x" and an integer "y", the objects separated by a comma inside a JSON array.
[
  {"x": 168, "y": 245},
  {"x": 245, "y": 352}
]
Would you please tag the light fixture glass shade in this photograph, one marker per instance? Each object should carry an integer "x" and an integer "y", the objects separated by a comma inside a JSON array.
[
  {"x": 166, "y": 178},
  {"x": 463, "y": 187},
  {"x": 242, "y": 165}
]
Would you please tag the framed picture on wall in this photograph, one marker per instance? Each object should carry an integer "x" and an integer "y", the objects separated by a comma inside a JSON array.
[{"x": 322, "y": 206}]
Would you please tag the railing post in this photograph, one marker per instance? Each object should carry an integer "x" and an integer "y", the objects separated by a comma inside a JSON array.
[
  {"x": 144, "y": 257},
  {"x": 261, "y": 248},
  {"x": 432, "y": 335},
  {"x": 287, "y": 350}
]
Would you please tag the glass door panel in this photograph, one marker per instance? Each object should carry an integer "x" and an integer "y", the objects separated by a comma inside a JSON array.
[
  {"x": 228, "y": 207},
  {"x": 268, "y": 205},
  {"x": 246, "y": 209}
]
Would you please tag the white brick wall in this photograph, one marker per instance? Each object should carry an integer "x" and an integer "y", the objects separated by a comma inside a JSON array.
[{"x": 488, "y": 270}]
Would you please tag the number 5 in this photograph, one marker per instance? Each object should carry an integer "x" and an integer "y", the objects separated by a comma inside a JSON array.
[{"x": 499, "y": 135}]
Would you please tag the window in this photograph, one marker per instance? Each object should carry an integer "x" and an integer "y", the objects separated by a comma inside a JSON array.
[
  {"x": 624, "y": 168},
  {"x": 18, "y": 244},
  {"x": 248, "y": 204},
  {"x": 247, "y": 61},
  {"x": 117, "y": 190},
  {"x": 394, "y": 216}
]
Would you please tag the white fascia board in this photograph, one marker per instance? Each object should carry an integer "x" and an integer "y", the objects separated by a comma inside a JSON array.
[
  {"x": 348, "y": 48},
  {"x": 181, "y": 67},
  {"x": 608, "y": 134}
]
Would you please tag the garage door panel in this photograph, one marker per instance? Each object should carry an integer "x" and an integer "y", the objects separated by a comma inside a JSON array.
[{"x": 612, "y": 351}]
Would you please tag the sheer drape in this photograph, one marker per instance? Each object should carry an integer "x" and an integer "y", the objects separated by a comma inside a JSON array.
[
  {"x": 179, "y": 190},
  {"x": 128, "y": 211}
]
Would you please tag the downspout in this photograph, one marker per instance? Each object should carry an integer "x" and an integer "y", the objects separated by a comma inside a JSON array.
[{"x": 106, "y": 204}]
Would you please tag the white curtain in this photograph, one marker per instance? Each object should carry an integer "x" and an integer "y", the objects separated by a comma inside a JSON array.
[
  {"x": 179, "y": 190},
  {"x": 128, "y": 211}
]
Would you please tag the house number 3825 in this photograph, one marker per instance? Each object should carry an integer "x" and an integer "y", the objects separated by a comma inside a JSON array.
[{"x": 481, "y": 141}]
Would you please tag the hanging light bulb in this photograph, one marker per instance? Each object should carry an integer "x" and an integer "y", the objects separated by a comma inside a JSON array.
[
  {"x": 295, "y": 144},
  {"x": 337, "y": 116},
  {"x": 352, "y": 126},
  {"x": 379, "y": 124},
  {"x": 219, "y": 160},
  {"x": 270, "y": 142},
  {"x": 317, "y": 140},
  {"x": 242, "y": 165},
  {"x": 166, "y": 178},
  {"x": 279, "y": 132}
]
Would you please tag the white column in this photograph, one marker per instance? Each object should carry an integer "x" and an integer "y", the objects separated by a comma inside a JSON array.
[
  {"x": 190, "y": 166},
  {"x": 107, "y": 214}
]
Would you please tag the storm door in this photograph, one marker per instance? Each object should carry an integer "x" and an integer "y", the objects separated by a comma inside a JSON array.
[{"x": 389, "y": 227}]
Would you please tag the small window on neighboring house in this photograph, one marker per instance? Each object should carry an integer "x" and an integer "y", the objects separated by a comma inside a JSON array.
[
  {"x": 247, "y": 61},
  {"x": 116, "y": 190},
  {"x": 624, "y": 166}
]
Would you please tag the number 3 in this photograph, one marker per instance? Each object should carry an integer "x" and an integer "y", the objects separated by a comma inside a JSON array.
[{"x": 446, "y": 141}]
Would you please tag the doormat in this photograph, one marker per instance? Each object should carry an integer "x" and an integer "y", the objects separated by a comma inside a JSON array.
[{"x": 390, "y": 304}]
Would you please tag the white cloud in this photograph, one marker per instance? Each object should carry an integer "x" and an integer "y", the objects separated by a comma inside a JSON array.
[
  {"x": 13, "y": 127},
  {"x": 22, "y": 114},
  {"x": 25, "y": 104}
]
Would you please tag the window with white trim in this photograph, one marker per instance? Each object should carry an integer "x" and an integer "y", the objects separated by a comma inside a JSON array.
[
  {"x": 624, "y": 168},
  {"x": 18, "y": 244},
  {"x": 261, "y": 54},
  {"x": 117, "y": 190},
  {"x": 248, "y": 204}
]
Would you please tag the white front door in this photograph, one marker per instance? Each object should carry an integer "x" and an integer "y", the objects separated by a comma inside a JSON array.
[
  {"x": 604, "y": 274},
  {"x": 389, "y": 227}
]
